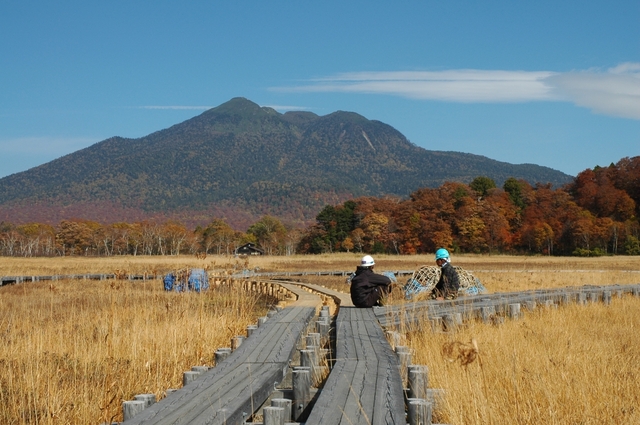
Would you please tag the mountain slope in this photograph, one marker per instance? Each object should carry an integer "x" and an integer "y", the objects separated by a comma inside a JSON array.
[{"x": 243, "y": 160}]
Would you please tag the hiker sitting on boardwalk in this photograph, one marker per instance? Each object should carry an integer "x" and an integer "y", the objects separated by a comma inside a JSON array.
[
  {"x": 367, "y": 287},
  {"x": 449, "y": 283}
]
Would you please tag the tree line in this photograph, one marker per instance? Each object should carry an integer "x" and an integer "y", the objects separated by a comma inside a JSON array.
[
  {"x": 90, "y": 238},
  {"x": 597, "y": 214}
]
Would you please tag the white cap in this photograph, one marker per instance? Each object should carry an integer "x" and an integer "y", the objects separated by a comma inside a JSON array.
[{"x": 367, "y": 261}]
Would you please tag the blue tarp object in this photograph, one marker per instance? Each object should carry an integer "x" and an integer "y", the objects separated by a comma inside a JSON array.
[
  {"x": 169, "y": 280},
  {"x": 198, "y": 281},
  {"x": 412, "y": 288}
]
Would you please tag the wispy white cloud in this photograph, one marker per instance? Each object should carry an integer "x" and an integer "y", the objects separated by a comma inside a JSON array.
[
  {"x": 466, "y": 85},
  {"x": 615, "y": 91},
  {"x": 176, "y": 107}
]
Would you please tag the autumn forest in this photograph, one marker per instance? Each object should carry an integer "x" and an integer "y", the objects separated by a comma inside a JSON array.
[{"x": 596, "y": 214}]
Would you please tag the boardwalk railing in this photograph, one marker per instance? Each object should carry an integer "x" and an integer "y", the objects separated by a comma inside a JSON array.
[{"x": 495, "y": 306}]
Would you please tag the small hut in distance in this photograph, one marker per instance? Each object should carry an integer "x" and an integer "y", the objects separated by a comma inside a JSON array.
[{"x": 249, "y": 249}]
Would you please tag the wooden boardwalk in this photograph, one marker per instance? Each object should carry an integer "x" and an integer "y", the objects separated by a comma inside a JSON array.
[
  {"x": 235, "y": 388},
  {"x": 488, "y": 307},
  {"x": 364, "y": 386}
]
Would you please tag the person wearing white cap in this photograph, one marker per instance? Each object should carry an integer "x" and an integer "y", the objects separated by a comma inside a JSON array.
[{"x": 368, "y": 288}]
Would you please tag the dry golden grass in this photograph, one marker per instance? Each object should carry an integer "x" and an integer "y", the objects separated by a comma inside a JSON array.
[
  {"x": 72, "y": 351},
  {"x": 570, "y": 365}
]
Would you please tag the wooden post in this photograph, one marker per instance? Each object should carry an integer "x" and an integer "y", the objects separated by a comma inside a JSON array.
[
  {"x": 251, "y": 329},
  {"x": 285, "y": 403},
  {"x": 262, "y": 320},
  {"x": 131, "y": 408},
  {"x": 436, "y": 324},
  {"x": 236, "y": 342},
  {"x": 514, "y": 310},
  {"x": 308, "y": 358},
  {"x": 394, "y": 338},
  {"x": 530, "y": 305},
  {"x": 148, "y": 399},
  {"x": 488, "y": 313},
  {"x": 501, "y": 306},
  {"x": 199, "y": 369},
  {"x": 323, "y": 328},
  {"x": 188, "y": 377},
  {"x": 452, "y": 321},
  {"x": 582, "y": 298},
  {"x": 301, "y": 392},
  {"x": 313, "y": 339},
  {"x": 273, "y": 415},
  {"x": 221, "y": 354},
  {"x": 594, "y": 297},
  {"x": 418, "y": 381},
  {"x": 324, "y": 315},
  {"x": 606, "y": 297},
  {"x": 419, "y": 411}
]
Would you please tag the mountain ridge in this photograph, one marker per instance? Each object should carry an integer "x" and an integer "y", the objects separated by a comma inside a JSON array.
[{"x": 248, "y": 161}]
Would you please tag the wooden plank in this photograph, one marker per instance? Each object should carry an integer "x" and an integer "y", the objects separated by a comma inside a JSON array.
[
  {"x": 470, "y": 307},
  {"x": 236, "y": 387},
  {"x": 364, "y": 386}
]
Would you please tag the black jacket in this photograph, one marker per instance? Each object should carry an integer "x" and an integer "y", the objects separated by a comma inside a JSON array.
[
  {"x": 449, "y": 282},
  {"x": 367, "y": 287}
]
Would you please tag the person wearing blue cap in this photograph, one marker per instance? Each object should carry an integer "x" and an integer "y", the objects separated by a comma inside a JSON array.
[{"x": 449, "y": 283}]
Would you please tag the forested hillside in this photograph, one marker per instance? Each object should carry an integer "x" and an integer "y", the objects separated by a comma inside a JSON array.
[
  {"x": 240, "y": 161},
  {"x": 597, "y": 214}
]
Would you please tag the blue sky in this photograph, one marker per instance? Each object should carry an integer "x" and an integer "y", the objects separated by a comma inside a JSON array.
[{"x": 555, "y": 83}]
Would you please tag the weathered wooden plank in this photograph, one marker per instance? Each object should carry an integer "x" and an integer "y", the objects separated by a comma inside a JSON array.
[
  {"x": 237, "y": 386},
  {"x": 471, "y": 307},
  {"x": 364, "y": 386},
  {"x": 217, "y": 397}
]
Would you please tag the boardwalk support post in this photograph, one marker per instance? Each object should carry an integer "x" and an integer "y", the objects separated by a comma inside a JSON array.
[
  {"x": 273, "y": 415},
  {"x": 285, "y": 403},
  {"x": 419, "y": 411},
  {"x": 418, "y": 381},
  {"x": 188, "y": 377},
  {"x": 148, "y": 399},
  {"x": 131, "y": 408},
  {"x": 301, "y": 392},
  {"x": 221, "y": 354},
  {"x": 514, "y": 310}
]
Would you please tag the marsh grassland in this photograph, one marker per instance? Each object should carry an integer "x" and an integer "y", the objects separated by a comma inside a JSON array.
[{"x": 72, "y": 351}]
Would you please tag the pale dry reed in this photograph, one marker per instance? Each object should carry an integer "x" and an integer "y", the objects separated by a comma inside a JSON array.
[
  {"x": 73, "y": 351},
  {"x": 568, "y": 365}
]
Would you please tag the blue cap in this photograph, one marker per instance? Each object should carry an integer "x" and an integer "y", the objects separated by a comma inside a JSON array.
[{"x": 442, "y": 253}]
